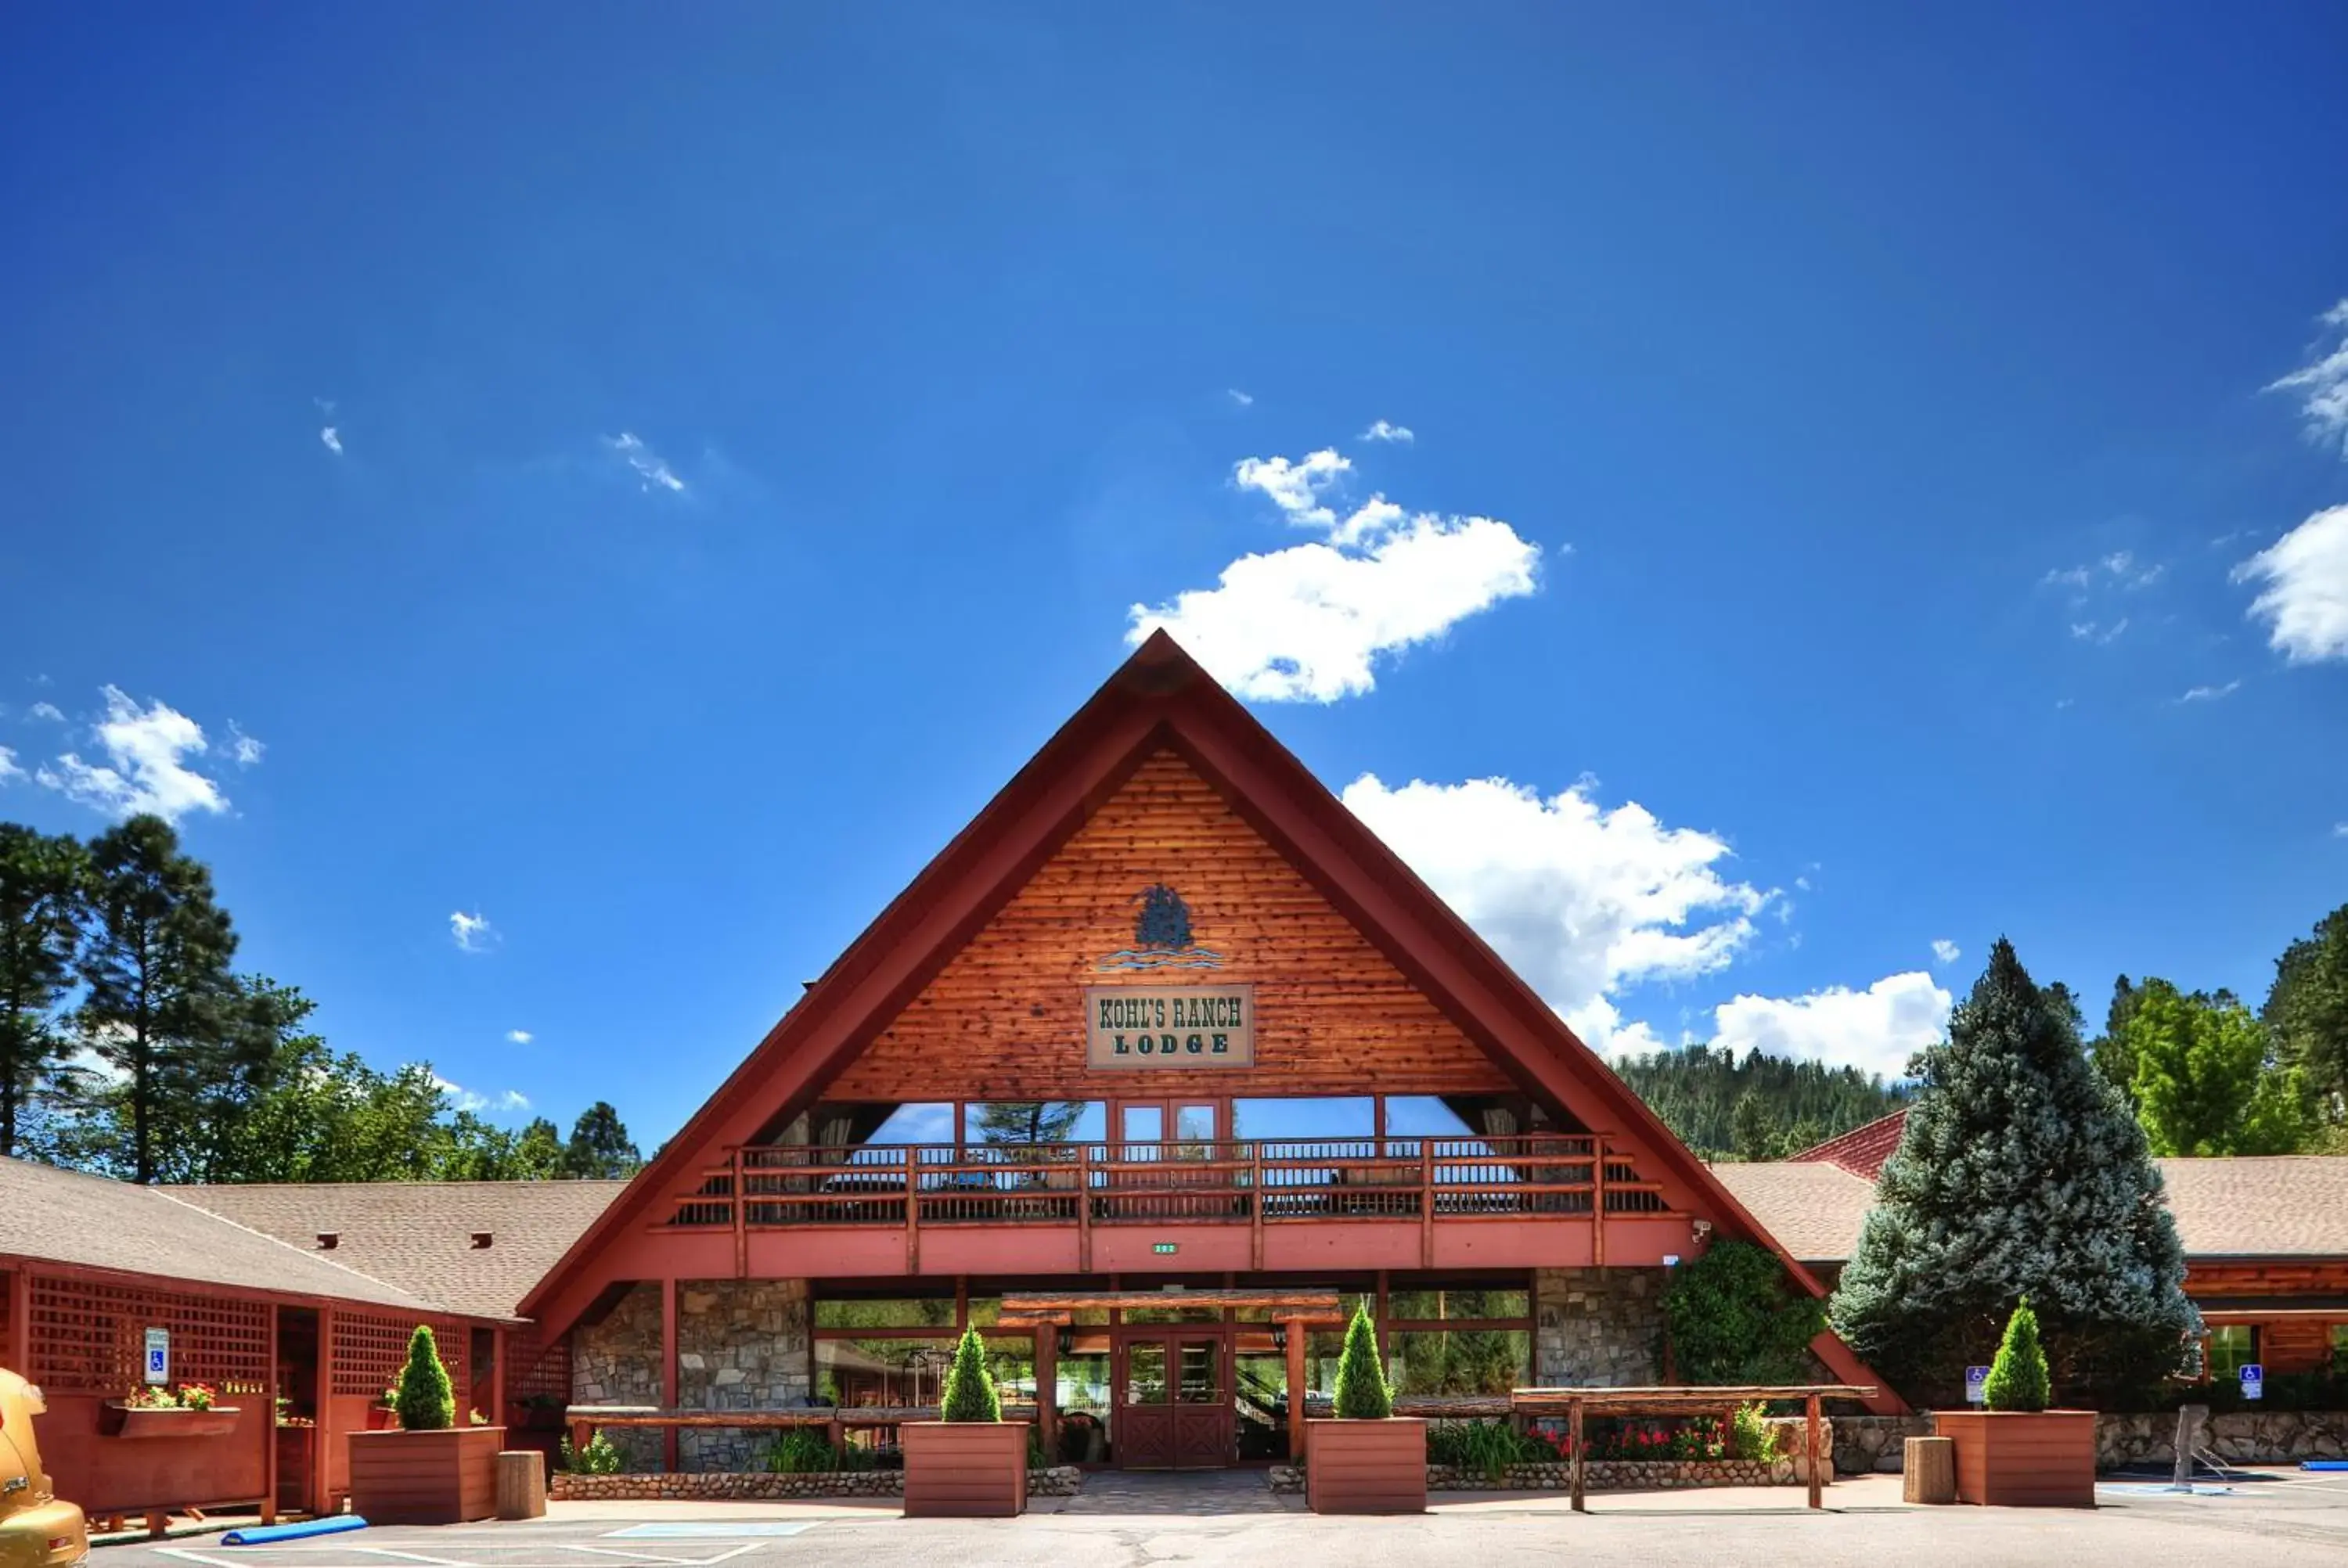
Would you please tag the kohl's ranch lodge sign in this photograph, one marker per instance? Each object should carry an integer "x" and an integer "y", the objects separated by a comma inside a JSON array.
[{"x": 1170, "y": 1026}]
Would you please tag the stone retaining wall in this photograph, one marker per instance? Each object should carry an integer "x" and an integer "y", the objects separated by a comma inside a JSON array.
[
  {"x": 2240, "y": 1437},
  {"x": 1598, "y": 1475},
  {"x": 761, "y": 1486}
]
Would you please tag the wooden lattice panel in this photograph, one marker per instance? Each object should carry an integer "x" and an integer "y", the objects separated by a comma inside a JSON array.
[
  {"x": 370, "y": 1350},
  {"x": 536, "y": 1368},
  {"x": 90, "y": 1339}
]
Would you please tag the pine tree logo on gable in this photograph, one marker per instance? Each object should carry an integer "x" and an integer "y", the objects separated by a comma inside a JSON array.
[{"x": 1162, "y": 939}]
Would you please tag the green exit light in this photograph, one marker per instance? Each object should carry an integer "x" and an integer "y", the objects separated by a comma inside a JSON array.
[{"x": 1162, "y": 1247}]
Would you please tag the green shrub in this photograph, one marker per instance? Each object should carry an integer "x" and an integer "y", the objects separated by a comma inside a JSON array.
[
  {"x": 1734, "y": 1316},
  {"x": 1750, "y": 1435},
  {"x": 970, "y": 1388},
  {"x": 598, "y": 1458},
  {"x": 1362, "y": 1391},
  {"x": 2017, "y": 1378},
  {"x": 802, "y": 1450},
  {"x": 427, "y": 1402},
  {"x": 1488, "y": 1447}
]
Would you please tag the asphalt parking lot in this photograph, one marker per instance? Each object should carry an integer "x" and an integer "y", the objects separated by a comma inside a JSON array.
[{"x": 2281, "y": 1518}]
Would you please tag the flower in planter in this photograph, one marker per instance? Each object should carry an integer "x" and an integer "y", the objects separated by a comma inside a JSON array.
[
  {"x": 154, "y": 1399},
  {"x": 196, "y": 1396}
]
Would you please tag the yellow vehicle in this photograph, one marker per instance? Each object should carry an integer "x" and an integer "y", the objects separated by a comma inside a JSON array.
[{"x": 36, "y": 1530}]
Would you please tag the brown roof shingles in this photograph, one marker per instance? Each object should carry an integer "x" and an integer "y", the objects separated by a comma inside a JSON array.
[
  {"x": 418, "y": 1235},
  {"x": 2284, "y": 1206},
  {"x": 62, "y": 1217}
]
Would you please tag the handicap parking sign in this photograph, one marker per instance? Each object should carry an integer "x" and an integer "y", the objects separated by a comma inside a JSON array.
[
  {"x": 1976, "y": 1385},
  {"x": 2254, "y": 1382},
  {"x": 159, "y": 1356}
]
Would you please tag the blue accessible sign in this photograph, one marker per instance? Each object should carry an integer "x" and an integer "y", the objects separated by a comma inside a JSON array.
[
  {"x": 2254, "y": 1382},
  {"x": 1976, "y": 1385}
]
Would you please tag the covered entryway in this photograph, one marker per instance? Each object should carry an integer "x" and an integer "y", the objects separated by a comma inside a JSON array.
[{"x": 1174, "y": 1396}]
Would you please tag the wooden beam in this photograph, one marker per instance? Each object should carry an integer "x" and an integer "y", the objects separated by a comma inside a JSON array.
[
  {"x": 1810, "y": 1447},
  {"x": 1598, "y": 1200},
  {"x": 1039, "y": 1301},
  {"x": 268, "y": 1452},
  {"x": 1573, "y": 1436},
  {"x": 1296, "y": 1390},
  {"x": 741, "y": 1207},
  {"x": 1047, "y": 1390},
  {"x": 323, "y": 1446},
  {"x": 668, "y": 1367}
]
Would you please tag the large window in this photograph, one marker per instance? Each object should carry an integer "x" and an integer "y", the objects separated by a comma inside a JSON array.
[
  {"x": 1033, "y": 1122},
  {"x": 1354, "y": 1116},
  {"x": 2232, "y": 1347}
]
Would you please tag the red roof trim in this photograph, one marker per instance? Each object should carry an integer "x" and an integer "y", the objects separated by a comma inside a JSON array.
[{"x": 1862, "y": 1150}]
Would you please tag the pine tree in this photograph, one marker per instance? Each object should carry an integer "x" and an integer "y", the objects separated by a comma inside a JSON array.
[
  {"x": 600, "y": 1145},
  {"x": 970, "y": 1393},
  {"x": 160, "y": 999},
  {"x": 42, "y": 882},
  {"x": 426, "y": 1401},
  {"x": 2017, "y": 1374},
  {"x": 2019, "y": 1172},
  {"x": 1362, "y": 1391},
  {"x": 2308, "y": 1010}
]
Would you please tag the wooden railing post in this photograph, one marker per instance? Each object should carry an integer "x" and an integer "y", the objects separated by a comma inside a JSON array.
[
  {"x": 1427, "y": 1203},
  {"x": 1255, "y": 1206},
  {"x": 1083, "y": 1209},
  {"x": 741, "y": 1220},
  {"x": 912, "y": 1209},
  {"x": 1598, "y": 1199}
]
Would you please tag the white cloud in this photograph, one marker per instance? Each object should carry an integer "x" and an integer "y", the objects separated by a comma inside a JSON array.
[
  {"x": 334, "y": 441},
  {"x": 1384, "y": 430},
  {"x": 2340, "y": 830},
  {"x": 145, "y": 768},
  {"x": 520, "y": 1036},
  {"x": 472, "y": 932},
  {"x": 2119, "y": 569},
  {"x": 651, "y": 470},
  {"x": 512, "y": 1100},
  {"x": 243, "y": 749},
  {"x": 48, "y": 710},
  {"x": 2303, "y": 595},
  {"x": 2324, "y": 381},
  {"x": 1580, "y": 900},
  {"x": 1308, "y": 623},
  {"x": 1241, "y": 398},
  {"x": 2098, "y": 633},
  {"x": 8, "y": 768},
  {"x": 1875, "y": 1030},
  {"x": 1945, "y": 951},
  {"x": 2211, "y": 693}
]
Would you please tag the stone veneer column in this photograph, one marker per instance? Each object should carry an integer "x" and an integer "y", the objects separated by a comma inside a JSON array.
[
  {"x": 742, "y": 1345},
  {"x": 616, "y": 1361},
  {"x": 1598, "y": 1328}
]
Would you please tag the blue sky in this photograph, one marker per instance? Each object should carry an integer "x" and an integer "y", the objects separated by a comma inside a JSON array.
[{"x": 1839, "y": 446}]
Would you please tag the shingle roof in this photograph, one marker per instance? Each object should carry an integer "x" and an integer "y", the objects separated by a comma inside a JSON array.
[
  {"x": 1862, "y": 1150},
  {"x": 2288, "y": 1206},
  {"x": 67, "y": 1217},
  {"x": 1814, "y": 1207},
  {"x": 419, "y": 1234}
]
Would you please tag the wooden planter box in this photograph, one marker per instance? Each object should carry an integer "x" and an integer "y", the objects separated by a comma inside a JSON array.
[
  {"x": 964, "y": 1470},
  {"x": 2023, "y": 1459},
  {"x": 425, "y": 1477},
  {"x": 1366, "y": 1467},
  {"x": 119, "y": 1420}
]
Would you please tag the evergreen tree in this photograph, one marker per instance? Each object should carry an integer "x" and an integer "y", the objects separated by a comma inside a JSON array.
[
  {"x": 159, "y": 997},
  {"x": 2308, "y": 1010},
  {"x": 2019, "y": 1173},
  {"x": 426, "y": 1401},
  {"x": 1362, "y": 1394},
  {"x": 2110, "y": 1050},
  {"x": 2206, "y": 1082},
  {"x": 1028, "y": 1121},
  {"x": 600, "y": 1145},
  {"x": 42, "y": 884},
  {"x": 1696, "y": 1091},
  {"x": 970, "y": 1393},
  {"x": 2018, "y": 1379},
  {"x": 1752, "y": 1130}
]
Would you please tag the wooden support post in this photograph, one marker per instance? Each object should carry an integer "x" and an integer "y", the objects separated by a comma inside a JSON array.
[
  {"x": 668, "y": 1368},
  {"x": 1426, "y": 1202},
  {"x": 1047, "y": 1390},
  {"x": 741, "y": 1206},
  {"x": 1810, "y": 1448},
  {"x": 1083, "y": 1209},
  {"x": 1296, "y": 1388},
  {"x": 1573, "y": 1435},
  {"x": 912, "y": 1211},
  {"x": 499, "y": 1348},
  {"x": 328, "y": 1440},
  {"x": 269, "y": 1425},
  {"x": 1598, "y": 1200},
  {"x": 1255, "y": 1207},
  {"x": 20, "y": 1320}
]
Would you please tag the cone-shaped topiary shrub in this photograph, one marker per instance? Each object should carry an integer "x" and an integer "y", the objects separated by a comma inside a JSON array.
[
  {"x": 970, "y": 1389},
  {"x": 1362, "y": 1391},
  {"x": 2017, "y": 1378},
  {"x": 425, "y": 1402}
]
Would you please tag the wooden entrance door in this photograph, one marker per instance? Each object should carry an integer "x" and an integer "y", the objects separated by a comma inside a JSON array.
[{"x": 1174, "y": 1401}]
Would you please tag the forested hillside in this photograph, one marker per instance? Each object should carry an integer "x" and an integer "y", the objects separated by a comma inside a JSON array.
[{"x": 1762, "y": 1108}]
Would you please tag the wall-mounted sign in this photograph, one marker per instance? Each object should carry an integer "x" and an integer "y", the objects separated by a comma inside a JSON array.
[
  {"x": 158, "y": 1368},
  {"x": 1162, "y": 939},
  {"x": 1976, "y": 1385},
  {"x": 2254, "y": 1382},
  {"x": 1170, "y": 1026}
]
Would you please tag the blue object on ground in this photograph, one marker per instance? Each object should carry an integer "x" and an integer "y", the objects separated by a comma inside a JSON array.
[
  {"x": 2324, "y": 1464},
  {"x": 264, "y": 1534}
]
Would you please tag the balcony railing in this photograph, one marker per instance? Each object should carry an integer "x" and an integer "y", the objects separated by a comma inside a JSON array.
[{"x": 1250, "y": 1182}]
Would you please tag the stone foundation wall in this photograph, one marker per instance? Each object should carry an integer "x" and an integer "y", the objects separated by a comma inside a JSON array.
[
  {"x": 712, "y": 1486},
  {"x": 1867, "y": 1444},
  {"x": 2238, "y": 1437},
  {"x": 741, "y": 1345},
  {"x": 1598, "y": 1475},
  {"x": 1598, "y": 1328},
  {"x": 617, "y": 1361}
]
